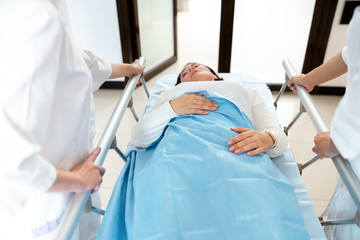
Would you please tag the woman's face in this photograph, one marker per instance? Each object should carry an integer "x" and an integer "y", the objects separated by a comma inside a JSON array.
[{"x": 196, "y": 72}]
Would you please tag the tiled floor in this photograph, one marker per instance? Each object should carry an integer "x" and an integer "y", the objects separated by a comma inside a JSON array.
[{"x": 320, "y": 178}]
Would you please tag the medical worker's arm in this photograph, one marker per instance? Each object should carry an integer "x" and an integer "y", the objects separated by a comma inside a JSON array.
[
  {"x": 126, "y": 70},
  {"x": 86, "y": 176},
  {"x": 99, "y": 68},
  {"x": 345, "y": 126},
  {"x": 27, "y": 98},
  {"x": 331, "y": 69},
  {"x": 102, "y": 70},
  {"x": 268, "y": 136}
]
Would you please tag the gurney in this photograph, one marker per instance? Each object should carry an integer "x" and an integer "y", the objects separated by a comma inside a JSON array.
[{"x": 285, "y": 162}]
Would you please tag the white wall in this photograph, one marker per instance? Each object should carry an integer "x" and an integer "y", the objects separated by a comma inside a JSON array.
[
  {"x": 265, "y": 32},
  {"x": 94, "y": 24},
  {"x": 198, "y": 33},
  {"x": 156, "y": 27},
  {"x": 337, "y": 41}
]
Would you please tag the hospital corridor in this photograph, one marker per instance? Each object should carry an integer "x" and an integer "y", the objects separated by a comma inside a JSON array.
[
  {"x": 320, "y": 178},
  {"x": 180, "y": 119}
]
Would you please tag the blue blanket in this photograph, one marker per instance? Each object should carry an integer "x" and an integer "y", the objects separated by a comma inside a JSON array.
[{"x": 189, "y": 186}]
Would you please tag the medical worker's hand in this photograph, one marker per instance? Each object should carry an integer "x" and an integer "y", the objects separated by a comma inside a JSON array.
[
  {"x": 89, "y": 174},
  {"x": 125, "y": 70},
  {"x": 324, "y": 147},
  {"x": 85, "y": 176},
  {"x": 302, "y": 81},
  {"x": 193, "y": 103},
  {"x": 136, "y": 68},
  {"x": 250, "y": 141}
]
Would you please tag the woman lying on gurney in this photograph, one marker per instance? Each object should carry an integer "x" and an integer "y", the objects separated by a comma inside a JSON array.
[
  {"x": 268, "y": 136},
  {"x": 204, "y": 174}
]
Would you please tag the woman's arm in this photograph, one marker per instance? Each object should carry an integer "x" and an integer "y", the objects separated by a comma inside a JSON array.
[
  {"x": 152, "y": 124},
  {"x": 268, "y": 136},
  {"x": 264, "y": 120},
  {"x": 251, "y": 141}
]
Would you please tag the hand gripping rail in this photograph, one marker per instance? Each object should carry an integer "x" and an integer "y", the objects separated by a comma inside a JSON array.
[
  {"x": 343, "y": 167},
  {"x": 78, "y": 200}
]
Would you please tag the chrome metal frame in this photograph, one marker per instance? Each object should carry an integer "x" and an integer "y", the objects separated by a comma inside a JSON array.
[
  {"x": 107, "y": 141},
  {"x": 346, "y": 173}
]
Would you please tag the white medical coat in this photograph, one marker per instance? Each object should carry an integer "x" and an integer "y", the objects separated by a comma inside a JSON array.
[
  {"x": 46, "y": 115},
  {"x": 345, "y": 133}
]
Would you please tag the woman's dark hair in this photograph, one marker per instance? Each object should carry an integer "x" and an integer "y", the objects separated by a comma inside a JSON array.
[{"x": 212, "y": 71}]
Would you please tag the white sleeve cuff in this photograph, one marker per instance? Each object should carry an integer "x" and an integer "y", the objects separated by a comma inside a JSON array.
[
  {"x": 100, "y": 69},
  {"x": 280, "y": 145}
]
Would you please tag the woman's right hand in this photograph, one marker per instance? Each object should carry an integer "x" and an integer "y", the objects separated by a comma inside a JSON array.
[
  {"x": 300, "y": 80},
  {"x": 192, "y": 103}
]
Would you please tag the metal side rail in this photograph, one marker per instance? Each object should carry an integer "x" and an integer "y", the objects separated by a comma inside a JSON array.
[
  {"x": 282, "y": 90},
  {"x": 346, "y": 173},
  {"x": 78, "y": 200}
]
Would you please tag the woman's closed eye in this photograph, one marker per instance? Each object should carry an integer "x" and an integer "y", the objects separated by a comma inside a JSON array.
[{"x": 188, "y": 70}]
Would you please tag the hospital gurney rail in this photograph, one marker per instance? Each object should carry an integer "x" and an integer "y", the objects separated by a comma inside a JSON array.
[
  {"x": 346, "y": 173},
  {"x": 78, "y": 200}
]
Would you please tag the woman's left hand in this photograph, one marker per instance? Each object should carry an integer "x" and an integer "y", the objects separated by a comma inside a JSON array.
[{"x": 250, "y": 141}]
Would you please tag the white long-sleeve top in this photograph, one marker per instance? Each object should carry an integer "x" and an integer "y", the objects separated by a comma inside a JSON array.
[
  {"x": 46, "y": 113},
  {"x": 248, "y": 100}
]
